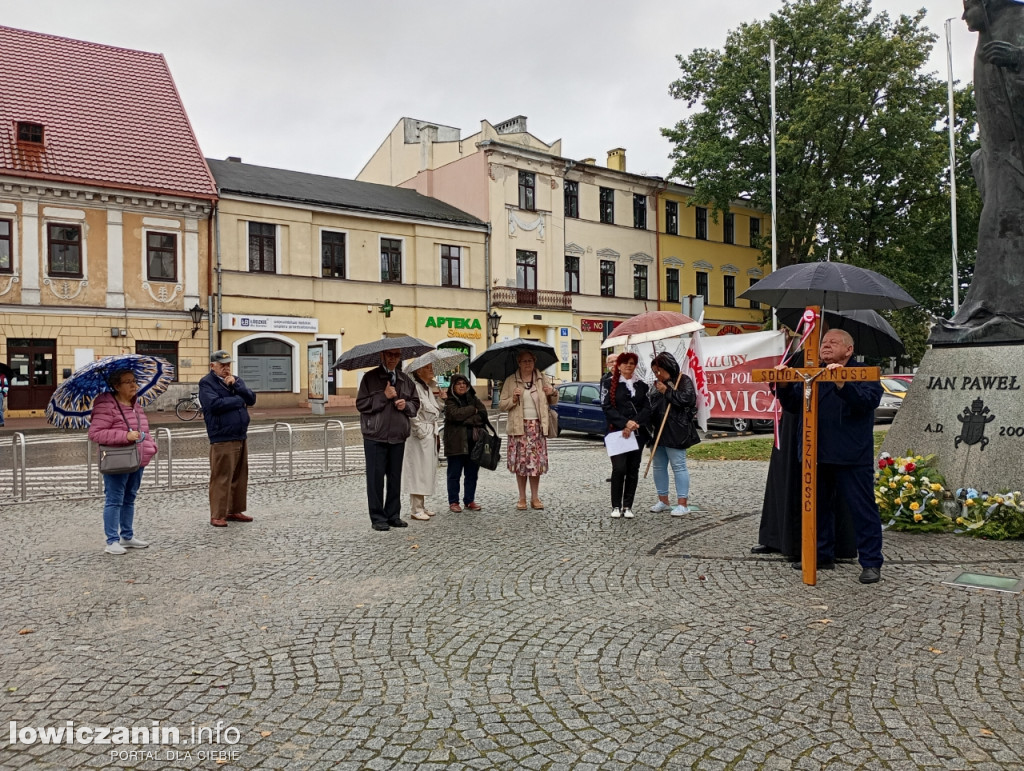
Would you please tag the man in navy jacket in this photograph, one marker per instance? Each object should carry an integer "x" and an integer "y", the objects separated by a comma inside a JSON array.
[
  {"x": 846, "y": 420},
  {"x": 226, "y": 399}
]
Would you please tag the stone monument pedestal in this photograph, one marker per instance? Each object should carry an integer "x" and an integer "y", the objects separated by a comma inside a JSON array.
[{"x": 966, "y": 406}]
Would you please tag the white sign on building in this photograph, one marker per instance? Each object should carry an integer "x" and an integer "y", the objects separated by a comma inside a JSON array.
[{"x": 243, "y": 322}]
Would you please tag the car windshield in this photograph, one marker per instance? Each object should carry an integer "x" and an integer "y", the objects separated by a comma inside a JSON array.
[{"x": 896, "y": 386}]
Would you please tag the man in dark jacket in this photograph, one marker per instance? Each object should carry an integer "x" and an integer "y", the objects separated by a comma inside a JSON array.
[
  {"x": 226, "y": 399},
  {"x": 386, "y": 400},
  {"x": 846, "y": 421}
]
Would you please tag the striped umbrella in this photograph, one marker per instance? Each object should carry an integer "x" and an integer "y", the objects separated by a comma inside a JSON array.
[{"x": 71, "y": 404}]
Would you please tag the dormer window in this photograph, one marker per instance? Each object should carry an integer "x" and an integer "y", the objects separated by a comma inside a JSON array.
[{"x": 30, "y": 132}]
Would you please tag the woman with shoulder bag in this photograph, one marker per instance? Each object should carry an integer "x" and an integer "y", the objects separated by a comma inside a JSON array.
[
  {"x": 628, "y": 410},
  {"x": 419, "y": 468},
  {"x": 119, "y": 420},
  {"x": 526, "y": 396},
  {"x": 464, "y": 418},
  {"x": 679, "y": 432}
]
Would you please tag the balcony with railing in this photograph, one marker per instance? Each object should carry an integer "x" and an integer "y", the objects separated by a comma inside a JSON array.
[{"x": 510, "y": 297}]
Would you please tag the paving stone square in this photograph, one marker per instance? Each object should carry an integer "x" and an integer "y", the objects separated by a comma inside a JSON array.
[{"x": 554, "y": 639}]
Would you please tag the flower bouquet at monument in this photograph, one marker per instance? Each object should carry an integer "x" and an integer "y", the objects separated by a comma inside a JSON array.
[
  {"x": 909, "y": 492},
  {"x": 999, "y": 517}
]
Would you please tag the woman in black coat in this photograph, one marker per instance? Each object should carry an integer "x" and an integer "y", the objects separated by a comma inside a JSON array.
[
  {"x": 627, "y": 409},
  {"x": 679, "y": 432},
  {"x": 464, "y": 414}
]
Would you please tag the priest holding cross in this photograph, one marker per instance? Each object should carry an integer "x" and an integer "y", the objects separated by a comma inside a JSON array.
[{"x": 838, "y": 404}]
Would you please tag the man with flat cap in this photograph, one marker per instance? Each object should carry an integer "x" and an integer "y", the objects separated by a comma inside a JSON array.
[{"x": 226, "y": 400}]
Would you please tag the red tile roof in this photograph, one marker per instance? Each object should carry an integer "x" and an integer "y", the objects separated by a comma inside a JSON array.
[{"x": 112, "y": 117}]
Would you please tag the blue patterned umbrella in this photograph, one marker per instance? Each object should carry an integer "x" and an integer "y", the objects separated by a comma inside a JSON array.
[{"x": 71, "y": 404}]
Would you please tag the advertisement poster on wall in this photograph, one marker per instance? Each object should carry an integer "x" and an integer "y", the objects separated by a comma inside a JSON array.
[{"x": 316, "y": 357}]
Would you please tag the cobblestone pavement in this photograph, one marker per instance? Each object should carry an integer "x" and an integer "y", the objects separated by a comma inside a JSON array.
[{"x": 555, "y": 639}]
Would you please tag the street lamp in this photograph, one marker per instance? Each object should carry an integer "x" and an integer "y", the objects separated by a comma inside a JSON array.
[
  {"x": 197, "y": 317},
  {"x": 493, "y": 320}
]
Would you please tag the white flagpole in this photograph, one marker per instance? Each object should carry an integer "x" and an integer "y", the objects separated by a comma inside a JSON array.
[
  {"x": 771, "y": 55},
  {"x": 952, "y": 163}
]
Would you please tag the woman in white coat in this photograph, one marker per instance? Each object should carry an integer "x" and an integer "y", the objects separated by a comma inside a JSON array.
[{"x": 419, "y": 469}]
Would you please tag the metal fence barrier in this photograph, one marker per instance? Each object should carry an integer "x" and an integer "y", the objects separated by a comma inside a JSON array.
[
  {"x": 344, "y": 445},
  {"x": 18, "y": 442},
  {"x": 291, "y": 453}
]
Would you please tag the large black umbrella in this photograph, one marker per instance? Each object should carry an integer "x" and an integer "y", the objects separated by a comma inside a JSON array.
[
  {"x": 835, "y": 286},
  {"x": 499, "y": 361},
  {"x": 6, "y": 372},
  {"x": 872, "y": 335},
  {"x": 368, "y": 354}
]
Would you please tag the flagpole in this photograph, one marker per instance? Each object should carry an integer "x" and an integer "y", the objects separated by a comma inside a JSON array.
[
  {"x": 771, "y": 56},
  {"x": 952, "y": 163}
]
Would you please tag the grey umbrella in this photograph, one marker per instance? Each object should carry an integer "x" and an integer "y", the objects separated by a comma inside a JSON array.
[
  {"x": 368, "y": 354},
  {"x": 441, "y": 359},
  {"x": 835, "y": 286},
  {"x": 872, "y": 335},
  {"x": 499, "y": 361}
]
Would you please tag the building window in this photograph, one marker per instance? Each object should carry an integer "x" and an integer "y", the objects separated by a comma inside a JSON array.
[
  {"x": 572, "y": 199},
  {"x": 672, "y": 218},
  {"x": 755, "y": 231},
  {"x": 162, "y": 256},
  {"x": 702, "y": 222},
  {"x": 730, "y": 228},
  {"x": 6, "y": 264},
  {"x": 754, "y": 304},
  {"x": 65, "y": 250},
  {"x": 639, "y": 282},
  {"x": 332, "y": 254},
  {"x": 30, "y": 132},
  {"x": 640, "y": 211},
  {"x": 572, "y": 274},
  {"x": 391, "y": 261},
  {"x": 607, "y": 278},
  {"x": 607, "y": 205},
  {"x": 729, "y": 285},
  {"x": 165, "y": 349},
  {"x": 451, "y": 265},
  {"x": 262, "y": 247},
  {"x": 526, "y": 270},
  {"x": 265, "y": 364},
  {"x": 702, "y": 285},
  {"x": 527, "y": 185},
  {"x": 672, "y": 285}
]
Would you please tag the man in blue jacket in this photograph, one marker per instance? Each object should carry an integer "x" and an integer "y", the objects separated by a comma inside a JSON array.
[
  {"x": 846, "y": 449},
  {"x": 226, "y": 399}
]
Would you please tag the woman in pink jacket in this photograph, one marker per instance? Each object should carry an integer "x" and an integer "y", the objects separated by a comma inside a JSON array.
[{"x": 117, "y": 419}]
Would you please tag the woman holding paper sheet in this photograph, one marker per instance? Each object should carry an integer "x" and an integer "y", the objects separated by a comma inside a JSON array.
[
  {"x": 673, "y": 407},
  {"x": 628, "y": 410}
]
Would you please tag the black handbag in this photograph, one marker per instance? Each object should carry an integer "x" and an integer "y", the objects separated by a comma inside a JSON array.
[
  {"x": 486, "y": 450},
  {"x": 121, "y": 459}
]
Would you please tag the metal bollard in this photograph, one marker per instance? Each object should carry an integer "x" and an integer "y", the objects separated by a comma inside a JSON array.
[
  {"x": 344, "y": 445},
  {"x": 273, "y": 437},
  {"x": 170, "y": 455},
  {"x": 18, "y": 439}
]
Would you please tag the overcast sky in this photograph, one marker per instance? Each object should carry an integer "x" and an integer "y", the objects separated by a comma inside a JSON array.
[{"x": 316, "y": 85}]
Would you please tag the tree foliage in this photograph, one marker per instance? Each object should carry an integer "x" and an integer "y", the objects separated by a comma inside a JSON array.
[{"x": 862, "y": 148}]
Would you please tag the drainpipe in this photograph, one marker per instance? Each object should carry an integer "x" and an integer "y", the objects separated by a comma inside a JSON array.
[{"x": 220, "y": 281}]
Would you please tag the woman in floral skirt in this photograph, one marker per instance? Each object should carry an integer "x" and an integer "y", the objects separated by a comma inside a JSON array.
[{"x": 526, "y": 395}]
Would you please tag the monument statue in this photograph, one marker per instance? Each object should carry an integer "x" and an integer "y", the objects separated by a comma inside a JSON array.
[{"x": 993, "y": 310}]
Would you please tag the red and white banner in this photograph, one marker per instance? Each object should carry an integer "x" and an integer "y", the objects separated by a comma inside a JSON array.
[{"x": 720, "y": 367}]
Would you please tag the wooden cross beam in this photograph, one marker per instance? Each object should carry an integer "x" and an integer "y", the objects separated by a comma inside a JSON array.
[{"x": 810, "y": 375}]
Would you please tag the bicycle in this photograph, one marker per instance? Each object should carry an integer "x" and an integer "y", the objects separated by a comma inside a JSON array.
[{"x": 189, "y": 408}]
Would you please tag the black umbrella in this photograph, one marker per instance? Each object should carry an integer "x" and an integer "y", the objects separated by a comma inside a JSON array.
[
  {"x": 835, "y": 286},
  {"x": 499, "y": 361},
  {"x": 6, "y": 372},
  {"x": 368, "y": 354},
  {"x": 872, "y": 335}
]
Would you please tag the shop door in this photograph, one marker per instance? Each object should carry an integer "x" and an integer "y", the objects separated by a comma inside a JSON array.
[{"x": 34, "y": 363}]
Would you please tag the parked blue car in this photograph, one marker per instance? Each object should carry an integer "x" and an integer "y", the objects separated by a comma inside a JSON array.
[{"x": 579, "y": 409}]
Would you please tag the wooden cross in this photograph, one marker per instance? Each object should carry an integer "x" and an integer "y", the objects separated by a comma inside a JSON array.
[{"x": 810, "y": 375}]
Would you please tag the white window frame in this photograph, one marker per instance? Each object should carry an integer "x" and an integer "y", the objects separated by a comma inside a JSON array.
[
  {"x": 405, "y": 257},
  {"x": 178, "y": 256},
  {"x": 348, "y": 251}
]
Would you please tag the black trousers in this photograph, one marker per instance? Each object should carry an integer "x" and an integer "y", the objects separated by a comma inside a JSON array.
[
  {"x": 384, "y": 467},
  {"x": 854, "y": 487},
  {"x": 625, "y": 474}
]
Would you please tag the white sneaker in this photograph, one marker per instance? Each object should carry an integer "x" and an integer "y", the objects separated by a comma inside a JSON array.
[
  {"x": 628, "y": 513},
  {"x": 680, "y": 511},
  {"x": 616, "y": 513},
  {"x": 134, "y": 543},
  {"x": 659, "y": 507},
  {"x": 115, "y": 548}
]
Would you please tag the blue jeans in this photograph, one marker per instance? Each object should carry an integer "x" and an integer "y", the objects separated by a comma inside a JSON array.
[
  {"x": 456, "y": 465},
  {"x": 119, "y": 510},
  {"x": 664, "y": 456}
]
